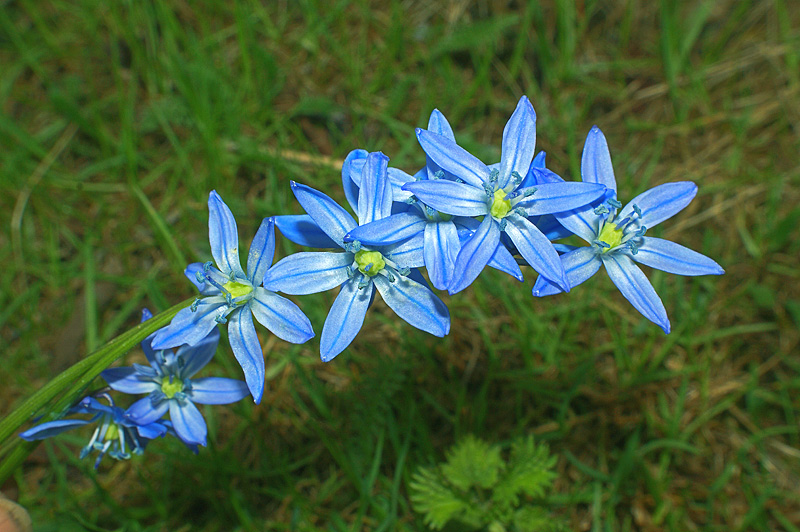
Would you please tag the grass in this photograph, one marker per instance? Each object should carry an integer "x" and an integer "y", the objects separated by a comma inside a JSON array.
[{"x": 116, "y": 119}]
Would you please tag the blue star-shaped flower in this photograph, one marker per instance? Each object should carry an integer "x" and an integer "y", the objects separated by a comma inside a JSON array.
[
  {"x": 616, "y": 235},
  {"x": 497, "y": 194},
  {"x": 168, "y": 381},
  {"x": 116, "y": 434},
  {"x": 360, "y": 269},
  {"x": 235, "y": 297}
]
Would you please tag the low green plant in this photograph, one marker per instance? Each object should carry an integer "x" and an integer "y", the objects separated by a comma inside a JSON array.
[{"x": 477, "y": 488}]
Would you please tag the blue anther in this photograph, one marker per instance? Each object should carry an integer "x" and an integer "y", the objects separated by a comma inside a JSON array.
[
  {"x": 389, "y": 276},
  {"x": 602, "y": 244},
  {"x": 520, "y": 211},
  {"x": 368, "y": 267},
  {"x": 404, "y": 271},
  {"x": 438, "y": 174},
  {"x": 363, "y": 283},
  {"x": 641, "y": 231},
  {"x": 352, "y": 247},
  {"x": 200, "y": 277},
  {"x": 601, "y": 209},
  {"x": 350, "y": 272},
  {"x": 459, "y": 180},
  {"x": 503, "y": 224},
  {"x": 488, "y": 187},
  {"x": 430, "y": 211},
  {"x": 229, "y": 299},
  {"x": 637, "y": 210},
  {"x": 516, "y": 178},
  {"x": 193, "y": 306},
  {"x": 528, "y": 192},
  {"x": 411, "y": 200},
  {"x": 614, "y": 203},
  {"x": 207, "y": 266},
  {"x": 494, "y": 176},
  {"x": 221, "y": 319},
  {"x": 633, "y": 247}
]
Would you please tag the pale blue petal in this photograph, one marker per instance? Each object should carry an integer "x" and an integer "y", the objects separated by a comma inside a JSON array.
[
  {"x": 596, "y": 160},
  {"x": 579, "y": 265},
  {"x": 673, "y": 258},
  {"x": 519, "y": 142},
  {"x": 247, "y": 350},
  {"x": 350, "y": 186},
  {"x": 188, "y": 422},
  {"x": 453, "y": 158},
  {"x": 389, "y": 230},
  {"x": 146, "y": 411},
  {"x": 327, "y": 214},
  {"x": 128, "y": 380},
  {"x": 223, "y": 236},
  {"x": 408, "y": 254},
  {"x": 450, "y": 197},
  {"x": 344, "y": 319},
  {"x": 582, "y": 222},
  {"x": 398, "y": 178},
  {"x": 302, "y": 229},
  {"x": 543, "y": 176},
  {"x": 661, "y": 202},
  {"x": 549, "y": 225},
  {"x": 282, "y": 317},
  {"x": 189, "y": 327},
  {"x": 560, "y": 197},
  {"x": 438, "y": 124},
  {"x": 475, "y": 254},
  {"x": 308, "y": 272},
  {"x": 504, "y": 261},
  {"x": 196, "y": 357},
  {"x": 217, "y": 391},
  {"x": 53, "y": 428},
  {"x": 537, "y": 163},
  {"x": 415, "y": 304},
  {"x": 636, "y": 288},
  {"x": 375, "y": 193},
  {"x": 536, "y": 249},
  {"x": 262, "y": 251},
  {"x": 440, "y": 249}
]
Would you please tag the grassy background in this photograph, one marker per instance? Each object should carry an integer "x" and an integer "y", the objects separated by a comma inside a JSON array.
[{"x": 117, "y": 118}]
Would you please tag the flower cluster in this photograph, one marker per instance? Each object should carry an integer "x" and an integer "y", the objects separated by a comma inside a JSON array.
[{"x": 454, "y": 217}]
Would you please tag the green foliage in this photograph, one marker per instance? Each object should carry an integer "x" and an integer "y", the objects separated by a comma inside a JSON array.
[{"x": 477, "y": 488}]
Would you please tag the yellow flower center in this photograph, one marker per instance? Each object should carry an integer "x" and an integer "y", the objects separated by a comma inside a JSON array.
[
  {"x": 500, "y": 207},
  {"x": 237, "y": 289},
  {"x": 112, "y": 433},
  {"x": 170, "y": 388},
  {"x": 611, "y": 235},
  {"x": 369, "y": 262}
]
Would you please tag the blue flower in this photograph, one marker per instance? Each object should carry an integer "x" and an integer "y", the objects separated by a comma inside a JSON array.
[
  {"x": 168, "y": 381},
  {"x": 235, "y": 297},
  {"x": 116, "y": 434},
  {"x": 497, "y": 194},
  {"x": 360, "y": 269},
  {"x": 616, "y": 235}
]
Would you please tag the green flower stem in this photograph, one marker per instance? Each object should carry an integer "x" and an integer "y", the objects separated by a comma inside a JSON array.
[{"x": 71, "y": 384}]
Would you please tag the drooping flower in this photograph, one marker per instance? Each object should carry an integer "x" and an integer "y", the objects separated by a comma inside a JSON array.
[
  {"x": 496, "y": 193},
  {"x": 170, "y": 387},
  {"x": 234, "y": 297},
  {"x": 360, "y": 269},
  {"x": 616, "y": 235},
  {"x": 116, "y": 434}
]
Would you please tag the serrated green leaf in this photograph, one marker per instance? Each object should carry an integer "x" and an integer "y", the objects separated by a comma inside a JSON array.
[
  {"x": 430, "y": 497},
  {"x": 529, "y": 471},
  {"x": 473, "y": 463}
]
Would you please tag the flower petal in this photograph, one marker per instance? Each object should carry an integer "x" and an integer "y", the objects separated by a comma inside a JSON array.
[
  {"x": 127, "y": 380},
  {"x": 188, "y": 422},
  {"x": 197, "y": 356},
  {"x": 596, "y": 160},
  {"x": 453, "y": 158},
  {"x": 350, "y": 186},
  {"x": 661, "y": 202},
  {"x": 582, "y": 222},
  {"x": 398, "y": 178},
  {"x": 636, "y": 288},
  {"x": 475, "y": 254},
  {"x": 409, "y": 253},
  {"x": 247, "y": 350},
  {"x": 327, "y": 214},
  {"x": 440, "y": 249},
  {"x": 223, "y": 236},
  {"x": 217, "y": 391},
  {"x": 375, "y": 193},
  {"x": 536, "y": 249},
  {"x": 262, "y": 251},
  {"x": 344, "y": 319},
  {"x": 188, "y": 326},
  {"x": 579, "y": 265},
  {"x": 416, "y": 304},
  {"x": 438, "y": 124},
  {"x": 519, "y": 142},
  {"x": 308, "y": 272},
  {"x": 505, "y": 262},
  {"x": 302, "y": 229},
  {"x": 53, "y": 428},
  {"x": 450, "y": 197},
  {"x": 673, "y": 258},
  {"x": 146, "y": 411},
  {"x": 282, "y": 317},
  {"x": 207, "y": 289},
  {"x": 560, "y": 197},
  {"x": 389, "y": 230}
]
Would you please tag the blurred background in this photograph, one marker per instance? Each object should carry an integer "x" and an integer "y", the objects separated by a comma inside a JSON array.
[{"x": 118, "y": 118}]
